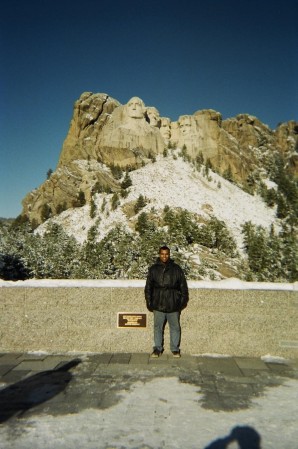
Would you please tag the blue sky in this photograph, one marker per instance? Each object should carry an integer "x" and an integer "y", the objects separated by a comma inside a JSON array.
[{"x": 179, "y": 56}]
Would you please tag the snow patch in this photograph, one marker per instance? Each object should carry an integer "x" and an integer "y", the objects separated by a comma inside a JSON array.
[
  {"x": 225, "y": 284},
  {"x": 273, "y": 359},
  {"x": 177, "y": 184}
]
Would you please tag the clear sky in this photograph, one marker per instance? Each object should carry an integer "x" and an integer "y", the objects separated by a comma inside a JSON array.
[{"x": 179, "y": 56}]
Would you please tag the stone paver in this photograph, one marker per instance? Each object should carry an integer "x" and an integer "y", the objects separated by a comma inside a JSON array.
[{"x": 36, "y": 386}]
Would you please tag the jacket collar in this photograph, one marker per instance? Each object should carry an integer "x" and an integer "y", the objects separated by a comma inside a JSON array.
[{"x": 169, "y": 262}]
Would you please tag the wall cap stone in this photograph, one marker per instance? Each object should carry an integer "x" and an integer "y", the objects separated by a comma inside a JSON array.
[{"x": 226, "y": 284}]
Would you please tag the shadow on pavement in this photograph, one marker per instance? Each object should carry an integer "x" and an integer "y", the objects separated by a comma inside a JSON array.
[
  {"x": 246, "y": 437},
  {"x": 16, "y": 399}
]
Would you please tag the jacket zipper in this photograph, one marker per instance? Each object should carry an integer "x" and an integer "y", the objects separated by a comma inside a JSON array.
[{"x": 163, "y": 276}]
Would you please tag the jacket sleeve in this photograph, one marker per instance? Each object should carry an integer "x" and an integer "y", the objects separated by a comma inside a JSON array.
[
  {"x": 148, "y": 290},
  {"x": 183, "y": 290}
]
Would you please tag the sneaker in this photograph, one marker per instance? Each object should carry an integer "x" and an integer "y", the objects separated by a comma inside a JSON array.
[
  {"x": 176, "y": 354},
  {"x": 156, "y": 353}
]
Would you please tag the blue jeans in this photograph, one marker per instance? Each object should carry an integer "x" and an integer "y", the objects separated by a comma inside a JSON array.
[{"x": 173, "y": 319}]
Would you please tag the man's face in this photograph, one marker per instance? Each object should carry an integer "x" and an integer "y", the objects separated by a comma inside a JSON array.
[
  {"x": 165, "y": 129},
  {"x": 164, "y": 255},
  {"x": 185, "y": 125},
  {"x": 153, "y": 116},
  {"x": 135, "y": 108}
]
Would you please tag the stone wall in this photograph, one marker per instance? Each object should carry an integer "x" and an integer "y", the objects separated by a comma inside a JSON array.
[{"x": 80, "y": 316}]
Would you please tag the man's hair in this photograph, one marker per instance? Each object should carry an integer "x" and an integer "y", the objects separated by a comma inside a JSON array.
[{"x": 164, "y": 248}]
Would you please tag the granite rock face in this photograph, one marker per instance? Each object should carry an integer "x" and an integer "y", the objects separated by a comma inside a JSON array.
[
  {"x": 67, "y": 187},
  {"x": 127, "y": 135},
  {"x": 91, "y": 113},
  {"x": 287, "y": 140},
  {"x": 104, "y": 133}
]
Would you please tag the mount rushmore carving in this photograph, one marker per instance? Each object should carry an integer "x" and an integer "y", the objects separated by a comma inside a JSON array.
[{"x": 103, "y": 129}]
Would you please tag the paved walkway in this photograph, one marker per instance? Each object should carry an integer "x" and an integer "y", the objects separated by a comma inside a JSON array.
[{"x": 132, "y": 401}]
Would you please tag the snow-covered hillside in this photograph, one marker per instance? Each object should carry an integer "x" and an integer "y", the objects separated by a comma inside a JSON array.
[{"x": 177, "y": 184}]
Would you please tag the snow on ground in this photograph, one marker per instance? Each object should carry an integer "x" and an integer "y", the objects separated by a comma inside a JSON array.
[
  {"x": 161, "y": 413},
  {"x": 177, "y": 184},
  {"x": 76, "y": 222}
]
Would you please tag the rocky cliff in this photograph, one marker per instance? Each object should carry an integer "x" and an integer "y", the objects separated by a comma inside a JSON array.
[{"x": 103, "y": 133}]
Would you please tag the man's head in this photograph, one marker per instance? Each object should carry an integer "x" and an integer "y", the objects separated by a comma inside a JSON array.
[
  {"x": 135, "y": 108},
  {"x": 165, "y": 128},
  {"x": 153, "y": 116},
  {"x": 164, "y": 254},
  {"x": 185, "y": 124}
]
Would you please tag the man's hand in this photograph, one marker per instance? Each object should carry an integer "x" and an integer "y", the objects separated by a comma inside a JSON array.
[{"x": 149, "y": 307}]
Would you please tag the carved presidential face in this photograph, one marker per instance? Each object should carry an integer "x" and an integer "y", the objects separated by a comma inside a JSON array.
[
  {"x": 153, "y": 116},
  {"x": 165, "y": 128},
  {"x": 185, "y": 124},
  {"x": 135, "y": 108}
]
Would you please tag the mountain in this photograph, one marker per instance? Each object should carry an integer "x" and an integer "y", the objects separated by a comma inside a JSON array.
[
  {"x": 129, "y": 136},
  {"x": 124, "y": 164},
  {"x": 170, "y": 181},
  {"x": 6, "y": 220}
]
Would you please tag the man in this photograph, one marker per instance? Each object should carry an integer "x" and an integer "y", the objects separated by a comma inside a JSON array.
[{"x": 166, "y": 294}]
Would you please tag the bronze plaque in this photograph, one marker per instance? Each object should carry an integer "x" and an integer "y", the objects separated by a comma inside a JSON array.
[{"x": 130, "y": 320}]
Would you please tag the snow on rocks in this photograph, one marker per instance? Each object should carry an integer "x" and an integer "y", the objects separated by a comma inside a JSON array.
[{"x": 177, "y": 184}]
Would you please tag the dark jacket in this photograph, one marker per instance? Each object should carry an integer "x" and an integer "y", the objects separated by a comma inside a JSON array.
[{"x": 166, "y": 287}]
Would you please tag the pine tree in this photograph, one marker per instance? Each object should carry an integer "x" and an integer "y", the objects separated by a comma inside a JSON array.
[
  {"x": 115, "y": 201},
  {"x": 200, "y": 160},
  {"x": 216, "y": 235},
  {"x": 127, "y": 182},
  {"x": 46, "y": 212},
  {"x": 111, "y": 257},
  {"x": 12, "y": 245},
  {"x": 124, "y": 193},
  {"x": 288, "y": 236},
  {"x": 184, "y": 154},
  {"x": 53, "y": 255},
  {"x": 81, "y": 198},
  {"x": 124, "y": 251},
  {"x": 140, "y": 203},
  {"x": 116, "y": 171},
  {"x": 208, "y": 165},
  {"x": 228, "y": 174},
  {"x": 89, "y": 256},
  {"x": 103, "y": 204},
  {"x": 282, "y": 206},
  {"x": 168, "y": 216},
  {"x": 144, "y": 225},
  {"x": 185, "y": 227},
  {"x": 20, "y": 221},
  {"x": 263, "y": 251},
  {"x": 61, "y": 208},
  {"x": 92, "y": 208}
]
